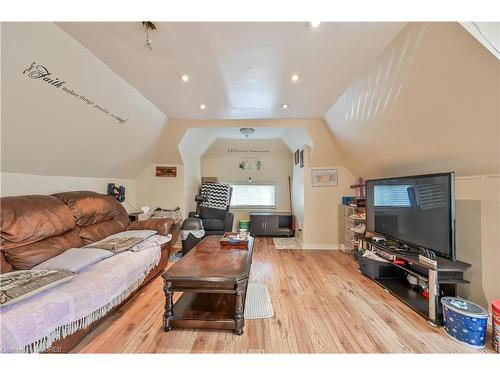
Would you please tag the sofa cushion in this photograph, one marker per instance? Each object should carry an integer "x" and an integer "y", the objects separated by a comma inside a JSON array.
[
  {"x": 36, "y": 323},
  {"x": 74, "y": 260},
  {"x": 30, "y": 218},
  {"x": 122, "y": 241},
  {"x": 212, "y": 213},
  {"x": 89, "y": 207},
  {"x": 4, "y": 266},
  {"x": 27, "y": 256},
  {"x": 213, "y": 225},
  {"x": 156, "y": 240},
  {"x": 116, "y": 245},
  {"x": 18, "y": 285},
  {"x": 160, "y": 225},
  {"x": 142, "y": 233},
  {"x": 97, "y": 232}
]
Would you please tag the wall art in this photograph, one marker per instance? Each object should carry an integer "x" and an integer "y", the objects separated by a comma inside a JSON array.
[
  {"x": 166, "y": 171},
  {"x": 324, "y": 177},
  {"x": 250, "y": 165}
]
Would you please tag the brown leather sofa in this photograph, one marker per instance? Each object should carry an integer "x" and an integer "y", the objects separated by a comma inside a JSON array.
[{"x": 34, "y": 228}]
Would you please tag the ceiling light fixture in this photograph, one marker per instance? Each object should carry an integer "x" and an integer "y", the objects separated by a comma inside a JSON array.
[
  {"x": 313, "y": 24},
  {"x": 284, "y": 106},
  {"x": 247, "y": 131},
  {"x": 185, "y": 78},
  {"x": 294, "y": 77},
  {"x": 203, "y": 107},
  {"x": 148, "y": 26}
]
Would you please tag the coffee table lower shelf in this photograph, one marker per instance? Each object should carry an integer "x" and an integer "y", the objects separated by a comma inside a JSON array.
[{"x": 204, "y": 310}]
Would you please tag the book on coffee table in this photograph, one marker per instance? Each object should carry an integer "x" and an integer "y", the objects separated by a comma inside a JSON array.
[{"x": 235, "y": 240}]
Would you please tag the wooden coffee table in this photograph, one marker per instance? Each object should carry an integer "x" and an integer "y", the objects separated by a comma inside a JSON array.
[{"x": 214, "y": 281}]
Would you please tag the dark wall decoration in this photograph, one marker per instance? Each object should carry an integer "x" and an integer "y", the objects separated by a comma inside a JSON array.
[
  {"x": 166, "y": 171},
  {"x": 39, "y": 72}
]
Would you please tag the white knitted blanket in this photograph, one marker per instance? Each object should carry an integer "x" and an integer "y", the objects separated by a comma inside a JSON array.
[{"x": 34, "y": 324}]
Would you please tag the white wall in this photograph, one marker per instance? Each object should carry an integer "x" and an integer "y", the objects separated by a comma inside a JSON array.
[
  {"x": 298, "y": 195},
  {"x": 478, "y": 236},
  {"x": 24, "y": 184},
  {"x": 429, "y": 103},
  {"x": 47, "y": 131},
  {"x": 164, "y": 192},
  {"x": 276, "y": 158},
  {"x": 320, "y": 229}
]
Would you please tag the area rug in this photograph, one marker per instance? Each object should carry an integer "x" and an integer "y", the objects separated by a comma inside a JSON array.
[
  {"x": 258, "y": 302},
  {"x": 285, "y": 243},
  {"x": 175, "y": 257}
]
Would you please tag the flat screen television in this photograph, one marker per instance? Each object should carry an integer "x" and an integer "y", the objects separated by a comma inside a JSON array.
[{"x": 418, "y": 211}]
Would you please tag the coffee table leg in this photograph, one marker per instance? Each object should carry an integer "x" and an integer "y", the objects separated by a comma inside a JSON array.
[
  {"x": 169, "y": 307},
  {"x": 239, "y": 319}
]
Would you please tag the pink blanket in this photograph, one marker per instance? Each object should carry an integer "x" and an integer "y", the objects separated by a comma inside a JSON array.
[{"x": 34, "y": 324}]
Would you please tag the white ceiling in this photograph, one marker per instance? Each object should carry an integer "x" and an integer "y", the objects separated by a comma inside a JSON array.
[
  {"x": 238, "y": 70},
  {"x": 487, "y": 33}
]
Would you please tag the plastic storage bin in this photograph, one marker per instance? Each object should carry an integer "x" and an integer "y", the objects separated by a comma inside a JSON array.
[
  {"x": 192, "y": 232},
  {"x": 465, "y": 321},
  {"x": 244, "y": 225}
]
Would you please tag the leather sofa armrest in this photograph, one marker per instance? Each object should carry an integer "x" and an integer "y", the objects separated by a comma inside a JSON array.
[{"x": 162, "y": 226}]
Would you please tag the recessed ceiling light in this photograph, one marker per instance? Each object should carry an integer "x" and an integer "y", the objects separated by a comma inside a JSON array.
[
  {"x": 294, "y": 77},
  {"x": 313, "y": 24},
  {"x": 185, "y": 78},
  {"x": 284, "y": 106},
  {"x": 203, "y": 107}
]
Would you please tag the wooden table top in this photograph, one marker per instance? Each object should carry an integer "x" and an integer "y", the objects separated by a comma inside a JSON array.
[{"x": 208, "y": 261}]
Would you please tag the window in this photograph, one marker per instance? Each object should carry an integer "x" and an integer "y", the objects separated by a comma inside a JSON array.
[{"x": 253, "y": 196}]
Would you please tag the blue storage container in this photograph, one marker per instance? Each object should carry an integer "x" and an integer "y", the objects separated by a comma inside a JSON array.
[{"x": 465, "y": 321}]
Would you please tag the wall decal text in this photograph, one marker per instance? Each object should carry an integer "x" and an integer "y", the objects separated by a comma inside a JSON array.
[{"x": 37, "y": 71}]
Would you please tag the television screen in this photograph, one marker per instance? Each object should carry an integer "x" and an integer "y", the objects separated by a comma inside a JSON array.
[{"x": 417, "y": 210}]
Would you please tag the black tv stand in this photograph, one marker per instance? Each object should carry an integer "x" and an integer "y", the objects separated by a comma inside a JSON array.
[{"x": 442, "y": 280}]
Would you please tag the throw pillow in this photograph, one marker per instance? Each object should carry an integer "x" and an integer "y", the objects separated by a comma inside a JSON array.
[
  {"x": 122, "y": 241},
  {"x": 18, "y": 285},
  {"x": 151, "y": 242},
  {"x": 74, "y": 260}
]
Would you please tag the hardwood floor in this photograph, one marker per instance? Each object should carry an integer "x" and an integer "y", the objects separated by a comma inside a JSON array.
[{"x": 321, "y": 303}]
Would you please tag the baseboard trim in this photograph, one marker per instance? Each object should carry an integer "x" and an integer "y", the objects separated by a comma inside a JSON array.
[{"x": 307, "y": 246}]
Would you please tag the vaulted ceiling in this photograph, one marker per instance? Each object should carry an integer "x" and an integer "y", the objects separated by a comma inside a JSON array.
[{"x": 237, "y": 70}]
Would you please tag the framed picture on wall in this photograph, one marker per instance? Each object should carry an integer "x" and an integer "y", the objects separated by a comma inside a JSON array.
[
  {"x": 250, "y": 165},
  {"x": 324, "y": 177},
  {"x": 297, "y": 156},
  {"x": 301, "y": 158},
  {"x": 166, "y": 171}
]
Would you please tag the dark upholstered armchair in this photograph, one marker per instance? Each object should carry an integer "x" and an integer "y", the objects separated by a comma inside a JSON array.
[{"x": 216, "y": 220}]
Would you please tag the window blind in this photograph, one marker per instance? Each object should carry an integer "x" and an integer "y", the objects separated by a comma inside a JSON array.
[{"x": 253, "y": 196}]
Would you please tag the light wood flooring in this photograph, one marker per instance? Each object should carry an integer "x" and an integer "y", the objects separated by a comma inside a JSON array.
[{"x": 321, "y": 303}]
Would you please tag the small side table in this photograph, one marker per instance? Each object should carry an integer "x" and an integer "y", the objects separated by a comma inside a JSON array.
[{"x": 134, "y": 216}]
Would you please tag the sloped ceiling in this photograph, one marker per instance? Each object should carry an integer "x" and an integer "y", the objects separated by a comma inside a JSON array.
[
  {"x": 83, "y": 120},
  {"x": 238, "y": 70},
  {"x": 430, "y": 102}
]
